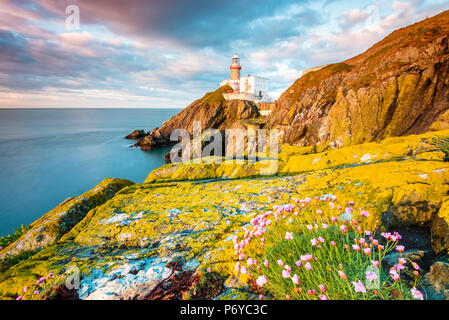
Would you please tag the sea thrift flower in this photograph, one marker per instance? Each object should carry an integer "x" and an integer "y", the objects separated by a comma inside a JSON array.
[
  {"x": 261, "y": 280},
  {"x": 249, "y": 261},
  {"x": 375, "y": 263},
  {"x": 367, "y": 251},
  {"x": 361, "y": 241},
  {"x": 260, "y": 296},
  {"x": 309, "y": 227},
  {"x": 287, "y": 297},
  {"x": 208, "y": 269},
  {"x": 334, "y": 219},
  {"x": 323, "y": 297},
  {"x": 298, "y": 263},
  {"x": 314, "y": 242},
  {"x": 359, "y": 287},
  {"x": 371, "y": 276},
  {"x": 285, "y": 274},
  {"x": 319, "y": 211},
  {"x": 343, "y": 228},
  {"x": 394, "y": 274},
  {"x": 19, "y": 298},
  {"x": 400, "y": 248},
  {"x": 333, "y": 243},
  {"x": 322, "y": 287},
  {"x": 355, "y": 247},
  {"x": 417, "y": 294},
  {"x": 364, "y": 213},
  {"x": 35, "y": 293},
  {"x": 402, "y": 261},
  {"x": 280, "y": 263},
  {"x": 306, "y": 257},
  {"x": 325, "y": 226},
  {"x": 320, "y": 239},
  {"x": 241, "y": 256},
  {"x": 266, "y": 263},
  {"x": 342, "y": 274},
  {"x": 295, "y": 279},
  {"x": 289, "y": 235},
  {"x": 308, "y": 266},
  {"x": 288, "y": 268},
  {"x": 243, "y": 270},
  {"x": 415, "y": 265},
  {"x": 25, "y": 289},
  {"x": 311, "y": 292}
]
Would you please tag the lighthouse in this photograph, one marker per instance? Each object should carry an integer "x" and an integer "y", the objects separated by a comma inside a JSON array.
[
  {"x": 235, "y": 67},
  {"x": 251, "y": 88}
]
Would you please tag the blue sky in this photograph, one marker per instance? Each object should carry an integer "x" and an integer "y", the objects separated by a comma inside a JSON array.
[{"x": 168, "y": 53}]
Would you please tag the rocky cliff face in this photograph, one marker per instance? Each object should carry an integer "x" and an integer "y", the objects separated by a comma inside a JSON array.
[
  {"x": 399, "y": 86},
  {"x": 212, "y": 111}
]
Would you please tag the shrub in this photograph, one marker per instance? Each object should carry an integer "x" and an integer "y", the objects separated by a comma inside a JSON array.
[{"x": 316, "y": 249}]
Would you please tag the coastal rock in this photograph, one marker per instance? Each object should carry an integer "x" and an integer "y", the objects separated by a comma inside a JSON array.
[
  {"x": 211, "y": 112},
  {"x": 136, "y": 134},
  {"x": 436, "y": 282},
  {"x": 50, "y": 227},
  {"x": 129, "y": 241}
]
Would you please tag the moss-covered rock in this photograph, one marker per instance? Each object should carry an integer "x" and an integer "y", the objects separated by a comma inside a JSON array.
[
  {"x": 51, "y": 226},
  {"x": 130, "y": 240}
]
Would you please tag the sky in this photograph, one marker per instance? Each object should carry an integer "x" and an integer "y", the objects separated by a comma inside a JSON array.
[{"x": 167, "y": 53}]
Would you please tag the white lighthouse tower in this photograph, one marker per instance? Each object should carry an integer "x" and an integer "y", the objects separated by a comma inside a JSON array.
[{"x": 251, "y": 88}]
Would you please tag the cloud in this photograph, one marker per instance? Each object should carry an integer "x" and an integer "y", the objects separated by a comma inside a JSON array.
[{"x": 168, "y": 53}]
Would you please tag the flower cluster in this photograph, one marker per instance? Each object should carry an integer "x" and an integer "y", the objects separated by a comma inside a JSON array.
[{"x": 319, "y": 249}]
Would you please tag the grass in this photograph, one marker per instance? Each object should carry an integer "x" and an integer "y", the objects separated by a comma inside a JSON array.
[{"x": 317, "y": 249}]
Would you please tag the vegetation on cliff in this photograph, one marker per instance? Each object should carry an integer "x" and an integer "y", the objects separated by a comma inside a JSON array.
[{"x": 171, "y": 229}]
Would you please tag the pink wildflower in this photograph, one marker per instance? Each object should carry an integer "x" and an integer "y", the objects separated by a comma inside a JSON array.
[
  {"x": 308, "y": 266},
  {"x": 323, "y": 297},
  {"x": 400, "y": 248},
  {"x": 417, "y": 294},
  {"x": 342, "y": 274},
  {"x": 266, "y": 263},
  {"x": 355, "y": 247},
  {"x": 314, "y": 242},
  {"x": 367, "y": 251},
  {"x": 280, "y": 263},
  {"x": 289, "y": 235},
  {"x": 359, "y": 287},
  {"x": 295, "y": 279},
  {"x": 322, "y": 287},
  {"x": 285, "y": 274},
  {"x": 261, "y": 280}
]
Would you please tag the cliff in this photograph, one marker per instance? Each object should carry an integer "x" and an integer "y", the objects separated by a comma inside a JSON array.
[
  {"x": 170, "y": 238},
  {"x": 399, "y": 86},
  {"x": 212, "y": 111}
]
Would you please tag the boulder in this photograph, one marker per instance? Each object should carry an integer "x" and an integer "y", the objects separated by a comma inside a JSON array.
[{"x": 136, "y": 134}]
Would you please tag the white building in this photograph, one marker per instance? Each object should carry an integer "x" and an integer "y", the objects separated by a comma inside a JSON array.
[{"x": 245, "y": 88}]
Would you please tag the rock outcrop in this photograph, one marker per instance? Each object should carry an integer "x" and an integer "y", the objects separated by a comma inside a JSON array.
[
  {"x": 57, "y": 222},
  {"x": 136, "y": 134},
  {"x": 212, "y": 112},
  {"x": 400, "y": 86},
  {"x": 168, "y": 228}
]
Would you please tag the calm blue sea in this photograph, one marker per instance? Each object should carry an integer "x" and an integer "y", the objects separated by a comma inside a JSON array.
[{"x": 47, "y": 155}]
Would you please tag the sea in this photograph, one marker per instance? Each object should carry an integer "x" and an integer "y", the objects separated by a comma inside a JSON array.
[{"x": 48, "y": 155}]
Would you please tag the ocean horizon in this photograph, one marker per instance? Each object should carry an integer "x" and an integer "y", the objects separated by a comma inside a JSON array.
[{"x": 50, "y": 154}]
